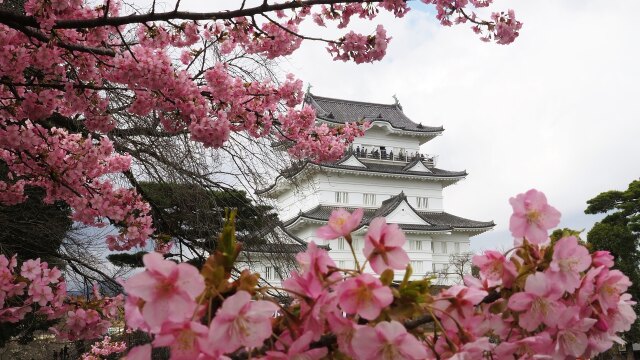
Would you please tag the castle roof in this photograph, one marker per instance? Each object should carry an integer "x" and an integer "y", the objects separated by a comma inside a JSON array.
[
  {"x": 430, "y": 221},
  {"x": 373, "y": 168},
  {"x": 341, "y": 111}
]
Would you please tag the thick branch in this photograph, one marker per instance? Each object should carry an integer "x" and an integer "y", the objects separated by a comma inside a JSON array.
[
  {"x": 7, "y": 16},
  {"x": 17, "y": 24}
]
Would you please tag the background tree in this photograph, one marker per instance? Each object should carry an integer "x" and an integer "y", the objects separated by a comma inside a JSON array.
[
  {"x": 455, "y": 269},
  {"x": 619, "y": 233},
  {"x": 193, "y": 215}
]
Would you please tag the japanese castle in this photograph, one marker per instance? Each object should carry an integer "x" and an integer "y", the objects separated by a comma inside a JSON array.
[{"x": 385, "y": 173}]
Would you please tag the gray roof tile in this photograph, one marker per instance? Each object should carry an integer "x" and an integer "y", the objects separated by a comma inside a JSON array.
[
  {"x": 438, "y": 221},
  {"x": 343, "y": 111},
  {"x": 387, "y": 168}
]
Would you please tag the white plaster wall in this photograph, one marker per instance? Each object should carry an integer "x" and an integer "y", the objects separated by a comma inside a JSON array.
[
  {"x": 299, "y": 197},
  {"x": 384, "y": 187},
  {"x": 344, "y": 258},
  {"x": 439, "y": 257},
  {"x": 426, "y": 256}
]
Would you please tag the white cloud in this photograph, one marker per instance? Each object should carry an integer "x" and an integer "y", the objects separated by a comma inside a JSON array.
[{"x": 557, "y": 110}]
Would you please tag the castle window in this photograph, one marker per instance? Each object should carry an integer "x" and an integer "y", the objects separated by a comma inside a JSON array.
[
  {"x": 444, "y": 247},
  {"x": 415, "y": 245},
  {"x": 342, "y": 243},
  {"x": 422, "y": 202},
  {"x": 342, "y": 197},
  {"x": 457, "y": 248},
  {"x": 369, "y": 199},
  {"x": 271, "y": 273},
  {"x": 417, "y": 265}
]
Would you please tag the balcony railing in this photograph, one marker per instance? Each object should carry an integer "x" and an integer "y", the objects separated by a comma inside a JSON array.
[{"x": 404, "y": 156}]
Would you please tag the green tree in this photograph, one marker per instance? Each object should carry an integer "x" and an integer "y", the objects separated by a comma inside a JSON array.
[
  {"x": 32, "y": 229},
  {"x": 619, "y": 233},
  {"x": 193, "y": 216}
]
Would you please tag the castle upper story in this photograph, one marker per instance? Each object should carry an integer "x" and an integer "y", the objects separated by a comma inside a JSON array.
[{"x": 378, "y": 166}]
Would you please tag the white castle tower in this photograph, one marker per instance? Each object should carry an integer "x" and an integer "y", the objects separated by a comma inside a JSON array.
[{"x": 386, "y": 174}]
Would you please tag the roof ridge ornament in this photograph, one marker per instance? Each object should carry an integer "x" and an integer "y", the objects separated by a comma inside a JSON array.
[{"x": 397, "y": 102}]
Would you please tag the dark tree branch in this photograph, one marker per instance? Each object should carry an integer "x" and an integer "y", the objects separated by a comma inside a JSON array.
[{"x": 6, "y": 16}]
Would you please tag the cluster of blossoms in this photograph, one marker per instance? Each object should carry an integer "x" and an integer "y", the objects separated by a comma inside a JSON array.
[
  {"x": 41, "y": 291},
  {"x": 36, "y": 288},
  {"x": 67, "y": 69},
  {"x": 88, "y": 318},
  {"x": 102, "y": 349},
  {"x": 549, "y": 299}
]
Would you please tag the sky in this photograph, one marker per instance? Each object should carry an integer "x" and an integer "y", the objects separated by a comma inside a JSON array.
[{"x": 557, "y": 110}]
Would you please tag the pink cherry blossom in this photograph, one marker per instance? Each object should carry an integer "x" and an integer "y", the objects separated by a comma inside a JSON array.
[
  {"x": 341, "y": 223},
  {"x": 186, "y": 340},
  {"x": 387, "y": 341},
  {"x": 168, "y": 289},
  {"x": 383, "y": 246},
  {"x": 241, "y": 322},
  {"x": 364, "y": 295},
  {"x": 495, "y": 268},
  {"x": 602, "y": 258},
  {"x": 299, "y": 349},
  {"x": 532, "y": 216},
  {"x": 314, "y": 272},
  {"x": 31, "y": 269},
  {"x": 539, "y": 303},
  {"x": 609, "y": 286},
  {"x": 528, "y": 348},
  {"x": 569, "y": 260},
  {"x": 572, "y": 340}
]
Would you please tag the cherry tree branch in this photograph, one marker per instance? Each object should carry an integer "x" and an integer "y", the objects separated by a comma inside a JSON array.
[{"x": 8, "y": 16}]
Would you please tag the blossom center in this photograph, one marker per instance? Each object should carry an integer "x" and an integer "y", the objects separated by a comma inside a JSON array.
[
  {"x": 388, "y": 352},
  {"x": 568, "y": 264},
  {"x": 185, "y": 340},
  {"x": 540, "y": 306},
  {"x": 533, "y": 216},
  {"x": 338, "y": 222},
  {"x": 240, "y": 327},
  {"x": 364, "y": 294},
  {"x": 165, "y": 288}
]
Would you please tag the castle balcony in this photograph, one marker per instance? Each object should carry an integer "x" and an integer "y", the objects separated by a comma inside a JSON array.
[{"x": 382, "y": 154}]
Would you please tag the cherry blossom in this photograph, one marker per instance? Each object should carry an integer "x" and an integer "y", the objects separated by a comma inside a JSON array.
[
  {"x": 341, "y": 223},
  {"x": 383, "y": 246},
  {"x": 539, "y": 303},
  {"x": 569, "y": 260},
  {"x": 495, "y": 268},
  {"x": 364, "y": 295},
  {"x": 532, "y": 216},
  {"x": 299, "y": 349},
  {"x": 241, "y": 322},
  {"x": 387, "y": 341},
  {"x": 186, "y": 340},
  {"x": 168, "y": 289}
]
